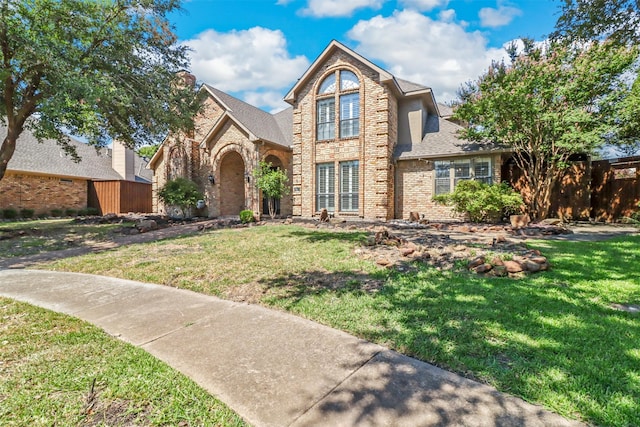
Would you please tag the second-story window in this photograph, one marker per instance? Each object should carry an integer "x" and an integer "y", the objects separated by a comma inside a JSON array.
[{"x": 342, "y": 88}]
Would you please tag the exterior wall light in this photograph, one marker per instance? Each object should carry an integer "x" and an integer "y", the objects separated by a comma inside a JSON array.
[{"x": 212, "y": 180}]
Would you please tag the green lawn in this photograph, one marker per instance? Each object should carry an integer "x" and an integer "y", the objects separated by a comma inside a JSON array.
[
  {"x": 58, "y": 371},
  {"x": 551, "y": 338},
  {"x": 22, "y": 238}
]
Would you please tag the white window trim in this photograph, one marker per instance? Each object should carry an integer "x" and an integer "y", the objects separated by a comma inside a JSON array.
[{"x": 471, "y": 161}]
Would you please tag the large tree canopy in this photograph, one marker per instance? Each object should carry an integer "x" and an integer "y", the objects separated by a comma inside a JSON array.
[
  {"x": 617, "y": 20},
  {"x": 550, "y": 103},
  {"x": 99, "y": 69}
]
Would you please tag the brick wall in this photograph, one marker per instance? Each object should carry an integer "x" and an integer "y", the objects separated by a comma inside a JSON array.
[
  {"x": 372, "y": 148},
  {"x": 415, "y": 188},
  {"x": 42, "y": 193}
]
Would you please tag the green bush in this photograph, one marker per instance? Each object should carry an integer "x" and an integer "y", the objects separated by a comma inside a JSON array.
[
  {"x": 182, "y": 193},
  {"x": 56, "y": 212},
  {"x": 70, "y": 212},
  {"x": 93, "y": 211},
  {"x": 482, "y": 202},
  {"x": 246, "y": 216},
  {"x": 9, "y": 213},
  {"x": 26, "y": 213}
]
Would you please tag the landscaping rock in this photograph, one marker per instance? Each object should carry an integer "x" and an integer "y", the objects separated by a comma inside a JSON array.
[
  {"x": 531, "y": 266},
  {"x": 324, "y": 215},
  {"x": 551, "y": 221},
  {"x": 414, "y": 216},
  {"x": 145, "y": 225},
  {"x": 406, "y": 251},
  {"x": 497, "y": 261},
  {"x": 475, "y": 262},
  {"x": 483, "y": 268},
  {"x": 538, "y": 259},
  {"x": 513, "y": 267},
  {"x": 371, "y": 241},
  {"x": 499, "y": 271},
  {"x": 519, "y": 221}
]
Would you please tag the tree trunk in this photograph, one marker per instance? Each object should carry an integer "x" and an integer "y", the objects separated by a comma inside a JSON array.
[
  {"x": 272, "y": 207},
  {"x": 6, "y": 151}
]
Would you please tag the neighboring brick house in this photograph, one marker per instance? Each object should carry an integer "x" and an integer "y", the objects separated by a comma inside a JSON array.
[
  {"x": 40, "y": 176},
  {"x": 357, "y": 141}
]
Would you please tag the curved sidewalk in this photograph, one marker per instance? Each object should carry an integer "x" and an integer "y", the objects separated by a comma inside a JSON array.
[{"x": 272, "y": 368}]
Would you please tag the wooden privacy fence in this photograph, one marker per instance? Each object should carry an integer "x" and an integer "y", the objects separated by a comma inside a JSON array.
[
  {"x": 120, "y": 197},
  {"x": 615, "y": 188},
  {"x": 604, "y": 190}
]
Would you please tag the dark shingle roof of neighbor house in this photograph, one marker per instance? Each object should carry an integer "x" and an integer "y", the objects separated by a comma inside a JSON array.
[
  {"x": 48, "y": 158},
  {"x": 407, "y": 86},
  {"x": 441, "y": 140},
  {"x": 263, "y": 125}
]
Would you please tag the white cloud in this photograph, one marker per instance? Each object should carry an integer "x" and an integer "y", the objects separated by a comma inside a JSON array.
[
  {"x": 447, "y": 15},
  {"x": 493, "y": 18},
  {"x": 423, "y": 5},
  {"x": 438, "y": 54},
  {"x": 253, "y": 59},
  {"x": 334, "y": 8}
]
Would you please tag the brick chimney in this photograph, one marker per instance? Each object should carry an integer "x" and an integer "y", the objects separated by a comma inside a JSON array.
[
  {"x": 186, "y": 79},
  {"x": 122, "y": 161}
]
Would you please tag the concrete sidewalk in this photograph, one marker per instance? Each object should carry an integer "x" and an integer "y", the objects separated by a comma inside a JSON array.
[{"x": 272, "y": 368}]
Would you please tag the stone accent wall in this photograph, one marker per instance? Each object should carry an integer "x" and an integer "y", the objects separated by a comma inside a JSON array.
[
  {"x": 415, "y": 188},
  {"x": 42, "y": 193},
  {"x": 372, "y": 148}
]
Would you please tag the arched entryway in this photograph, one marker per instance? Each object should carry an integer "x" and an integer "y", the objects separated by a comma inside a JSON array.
[
  {"x": 232, "y": 198},
  {"x": 275, "y": 164}
]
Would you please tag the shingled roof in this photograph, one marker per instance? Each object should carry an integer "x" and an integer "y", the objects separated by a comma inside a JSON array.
[
  {"x": 47, "y": 158},
  {"x": 265, "y": 126},
  {"x": 441, "y": 140}
]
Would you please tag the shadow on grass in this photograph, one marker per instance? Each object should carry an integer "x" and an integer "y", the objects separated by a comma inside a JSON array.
[
  {"x": 551, "y": 338},
  {"x": 318, "y": 235}
]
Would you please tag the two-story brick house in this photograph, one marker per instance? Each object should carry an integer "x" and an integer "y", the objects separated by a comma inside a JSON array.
[{"x": 356, "y": 141}]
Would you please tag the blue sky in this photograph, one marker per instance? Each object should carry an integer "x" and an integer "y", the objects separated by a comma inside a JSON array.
[{"x": 256, "y": 49}]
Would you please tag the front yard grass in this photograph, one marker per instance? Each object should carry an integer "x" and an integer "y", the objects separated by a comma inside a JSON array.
[
  {"x": 59, "y": 371},
  {"x": 22, "y": 238},
  {"x": 553, "y": 338}
]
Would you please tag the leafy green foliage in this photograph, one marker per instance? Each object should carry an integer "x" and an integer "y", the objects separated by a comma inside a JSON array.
[
  {"x": 148, "y": 150},
  {"x": 246, "y": 216},
  {"x": 616, "y": 20},
  {"x": 482, "y": 202},
  {"x": 26, "y": 213},
  {"x": 272, "y": 182},
  {"x": 9, "y": 213},
  {"x": 550, "y": 103},
  {"x": 182, "y": 193},
  {"x": 99, "y": 69},
  {"x": 56, "y": 212}
]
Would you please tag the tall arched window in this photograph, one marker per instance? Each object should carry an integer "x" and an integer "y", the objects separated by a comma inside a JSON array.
[{"x": 346, "y": 94}]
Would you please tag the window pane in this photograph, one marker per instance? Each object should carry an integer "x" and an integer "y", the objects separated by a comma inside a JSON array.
[
  {"x": 349, "y": 115},
  {"x": 482, "y": 170},
  {"x": 328, "y": 85},
  {"x": 349, "y": 186},
  {"x": 325, "y": 119},
  {"x": 348, "y": 80},
  {"x": 462, "y": 171},
  {"x": 443, "y": 177},
  {"x": 325, "y": 186}
]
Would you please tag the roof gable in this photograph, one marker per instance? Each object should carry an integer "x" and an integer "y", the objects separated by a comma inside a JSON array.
[
  {"x": 259, "y": 124},
  {"x": 385, "y": 76}
]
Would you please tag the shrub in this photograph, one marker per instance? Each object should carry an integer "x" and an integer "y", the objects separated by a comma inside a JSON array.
[
  {"x": 182, "y": 193},
  {"x": 26, "y": 213},
  {"x": 246, "y": 216},
  {"x": 93, "y": 211},
  {"x": 70, "y": 212},
  {"x": 56, "y": 212},
  {"x": 9, "y": 213},
  {"x": 482, "y": 202}
]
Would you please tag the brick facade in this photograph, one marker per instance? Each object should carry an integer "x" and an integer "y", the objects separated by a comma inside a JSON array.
[
  {"x": 42, "y": 193},
  {"x": 372, "y": 148},
  {"x": 415, "y": 188},
  {"x": 228, "y": 156}
]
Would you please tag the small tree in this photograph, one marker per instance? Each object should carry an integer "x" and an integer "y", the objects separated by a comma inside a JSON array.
[
  {"x": 482, "y": 202},
  {"x": 549, "y": 104},
  {"x": 273, "y": 184},
  {"x": 182, "y": 193}
]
